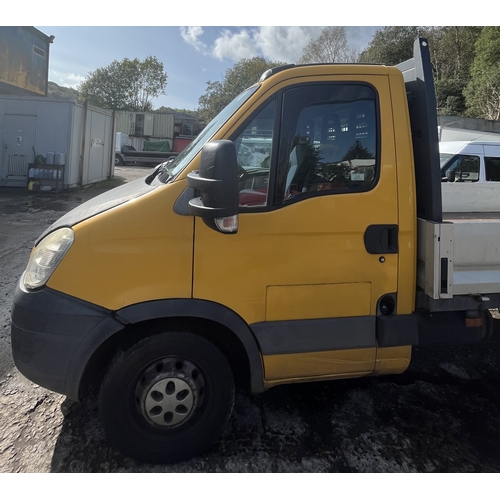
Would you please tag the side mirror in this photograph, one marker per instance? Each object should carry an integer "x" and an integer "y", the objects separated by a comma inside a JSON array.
[
  {"x": 451, "y": 175},
  {"x": 217, "y": 182}
]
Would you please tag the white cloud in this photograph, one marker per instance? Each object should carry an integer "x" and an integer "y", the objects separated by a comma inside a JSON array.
[
  {"x": 277, "y": 43},
  {"x": 284, "y": 43},
  {"x": 235, "y": 46},
  {"x": 191, "y": 35},
  {"x": 66, "y": 79}
]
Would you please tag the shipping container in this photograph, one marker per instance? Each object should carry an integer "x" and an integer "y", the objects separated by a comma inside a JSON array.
[{"x": 24, "y": 60}]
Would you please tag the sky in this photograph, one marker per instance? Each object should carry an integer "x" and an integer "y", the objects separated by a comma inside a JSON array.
[
  {"x": 191, "y": 55},
  {"x": 198, "y": 41}
]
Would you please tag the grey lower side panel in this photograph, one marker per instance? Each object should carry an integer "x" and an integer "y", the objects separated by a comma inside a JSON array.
[
  {"x": 289, "y": 337},
  {"x": 394, "y": 331}
]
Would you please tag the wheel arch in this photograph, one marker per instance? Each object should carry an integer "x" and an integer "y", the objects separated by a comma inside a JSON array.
[{"x": 209, "y": 319}]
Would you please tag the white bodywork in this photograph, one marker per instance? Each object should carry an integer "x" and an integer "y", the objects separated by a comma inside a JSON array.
[
  {"x": 478, "y": 196},
  {"x": 121, "y": 140},
  {"x": 471, "y": 248}
]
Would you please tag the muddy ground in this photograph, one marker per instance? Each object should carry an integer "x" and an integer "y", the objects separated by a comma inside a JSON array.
[{"x": 440, "y": 416}]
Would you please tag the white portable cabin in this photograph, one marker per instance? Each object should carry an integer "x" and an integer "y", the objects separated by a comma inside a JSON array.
[{"x": 31, "y": 126}]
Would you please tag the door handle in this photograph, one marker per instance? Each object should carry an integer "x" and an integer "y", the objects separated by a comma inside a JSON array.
[{"x": 381, "y": 238}]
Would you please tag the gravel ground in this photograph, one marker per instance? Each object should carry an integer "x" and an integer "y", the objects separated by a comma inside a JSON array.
[{"x": 439, "y": 416}]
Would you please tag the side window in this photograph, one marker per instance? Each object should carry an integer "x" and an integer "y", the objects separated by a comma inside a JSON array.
[
  {"x": 253, "y": 149},
  {"x": 328, "y": 141},
  {"x": 492, "y": 166},
  {"x": 466, "y": 168}
]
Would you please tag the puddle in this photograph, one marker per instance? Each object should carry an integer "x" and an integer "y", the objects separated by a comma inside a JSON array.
[
  {"x": 56, "y": 206},
  {"x": 38, "y": 206},
  {"x": 13, "y": 209},
  {"x": 61, "y": 204}
]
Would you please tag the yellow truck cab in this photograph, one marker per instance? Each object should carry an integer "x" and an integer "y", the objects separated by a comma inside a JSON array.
[{"x": 279, "y": 247}]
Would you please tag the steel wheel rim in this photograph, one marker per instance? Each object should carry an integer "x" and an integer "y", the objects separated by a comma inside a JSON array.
[{"x": 169, "y": 391}]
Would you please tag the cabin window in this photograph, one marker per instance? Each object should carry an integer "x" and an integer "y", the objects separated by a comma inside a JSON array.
[
  {"x": 38, "y": 51},
  {"x": 254, "y": 146},
  {"x": 492, "y": 168},
  {"x": 328, "y": 142},
  {"x": 466, "y": 168}
]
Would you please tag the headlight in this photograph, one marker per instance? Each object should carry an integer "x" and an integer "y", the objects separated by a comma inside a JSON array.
[{"x": 46, "y": 256}]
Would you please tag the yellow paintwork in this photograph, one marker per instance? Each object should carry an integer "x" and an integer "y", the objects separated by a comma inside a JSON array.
[
  {"x": 302, "y": 261},
  {"x": 133, "y": 253},
  {"x": 285, "y": 303},
  {"x": 305, "y": 250},
  {"x": 407, "y": 212},
  {"x": 286, "y": 368},
  {"x": 392, "y": 360}
]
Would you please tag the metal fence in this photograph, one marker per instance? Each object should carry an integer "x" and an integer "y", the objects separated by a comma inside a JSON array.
[{"x": 469, "y": 123}]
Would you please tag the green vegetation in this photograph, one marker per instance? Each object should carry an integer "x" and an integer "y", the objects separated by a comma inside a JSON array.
[
  {"x": 465, "y": 59},
  {"x": 391, "y": 45},
  {"x": 453, "y": 54},
  {"x": 466, "y": 63},
  {"x": 483, "y": 90},
  {"x": 59, "y": 92},
  {"x": 330, "y": 47},
  {"x": 125, "y": 85},
  {"x": 243, "y": 74}
]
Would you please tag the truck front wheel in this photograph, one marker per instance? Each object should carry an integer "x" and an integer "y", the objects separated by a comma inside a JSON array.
[
  {"x": 119, "y": 160},
  {"x": 167, "y": 398}
]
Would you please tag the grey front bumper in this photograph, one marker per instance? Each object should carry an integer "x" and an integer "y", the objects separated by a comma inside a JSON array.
[{"x": 54, "y": 336}]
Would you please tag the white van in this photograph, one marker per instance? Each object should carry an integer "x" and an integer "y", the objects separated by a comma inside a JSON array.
[{"x": 470, "y": 172}]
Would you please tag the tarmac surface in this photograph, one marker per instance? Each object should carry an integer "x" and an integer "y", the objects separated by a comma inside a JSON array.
[{"x": 441, "y": 415}]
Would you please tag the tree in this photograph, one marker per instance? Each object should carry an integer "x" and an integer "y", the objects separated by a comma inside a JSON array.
[
  {"x": 452, "y": 50},
  {"x": 452, "y": 53},
  {"x": 449, "y": 96},
  {"x": 330, "y": 47},
  {"x": 391, "y": 45},
  {"x": 60, "y": 92},
  {"x": 482, "y": 94},
  {"x": 125, "y": 85},
  {"x": 358, "y": 152},
  {"x": 241, "y": 76}
]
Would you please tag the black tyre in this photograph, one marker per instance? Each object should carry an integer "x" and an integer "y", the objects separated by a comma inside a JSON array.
[
  {"x": 119, "y": 160},
  {"x": 167, "y": 398},
  {"x": 488, "y": 325}
]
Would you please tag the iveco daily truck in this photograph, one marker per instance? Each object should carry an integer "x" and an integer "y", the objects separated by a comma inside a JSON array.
[{"x": 299, "y": 238}]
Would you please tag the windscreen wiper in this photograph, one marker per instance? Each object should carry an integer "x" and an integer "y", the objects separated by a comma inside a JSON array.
[{"x": 160, "y": 169}]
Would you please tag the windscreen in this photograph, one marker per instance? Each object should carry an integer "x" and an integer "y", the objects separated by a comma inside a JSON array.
[{"x": 176, "y": 167}]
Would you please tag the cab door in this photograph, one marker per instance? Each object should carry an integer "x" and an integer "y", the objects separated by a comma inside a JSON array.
[{"x": 317, "y": 245}]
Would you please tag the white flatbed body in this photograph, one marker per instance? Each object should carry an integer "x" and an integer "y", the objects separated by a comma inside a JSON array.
[{"x": 459, "y": 256}]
